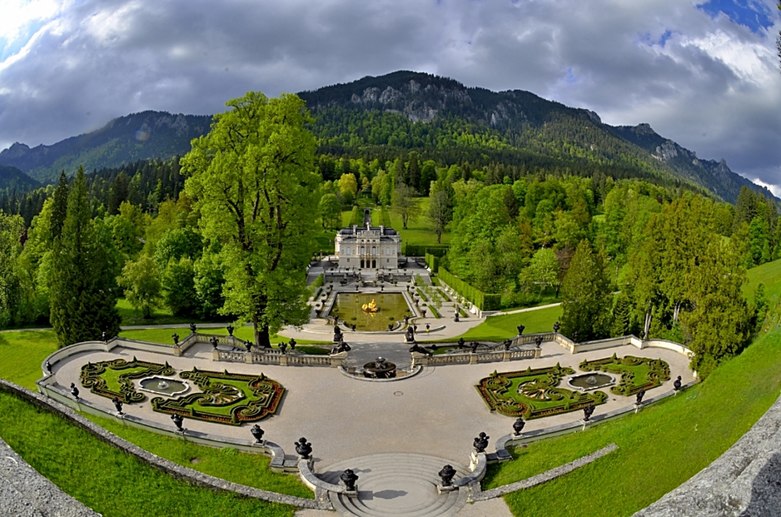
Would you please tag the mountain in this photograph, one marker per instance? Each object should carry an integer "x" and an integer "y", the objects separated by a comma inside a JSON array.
[
  {"x": 139, "y": 136},
  {"x": 507, "y": 134},
  {"x": 513, "y": 130},
  {"x": 715, "y": 176},
  {"x": 12, "y": 178}
]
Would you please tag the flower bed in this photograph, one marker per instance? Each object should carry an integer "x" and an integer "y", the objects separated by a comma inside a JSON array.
[
  {"x": 102, "y": 379},
  {"x": 226, "y": 398},
  {"x": 534, "y": 393},
  {"x": 637, "y": 373}
]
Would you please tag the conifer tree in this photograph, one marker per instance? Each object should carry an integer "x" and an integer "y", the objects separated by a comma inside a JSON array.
[
  {"x": 585, "y": 296},
  {"x": 83, "y": 290}
]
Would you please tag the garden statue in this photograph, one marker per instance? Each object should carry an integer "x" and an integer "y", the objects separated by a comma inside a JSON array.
[
  {"x": 175, "y": 337},
  {"x": 303, "y": 448},
  {"x": 193, "y": 328},
  {"x": 213, "y": 341},
  {"x": 229, "y": 328},
  {"x": 520, "y": 329},
  {"x": 639, "y": 397},
  {"x": 421, "y": 350},
  {"x": 177, "y": 418},
  {"x": 74, "y": 391},
  {"x": 257, "y": 433},
  {"x": 447, "y": 474},
  {"x": 349, "y": 478},
  {"x": 518, "y": 425},
  {"x": 587, "y": 412},
  {"x": 556, "y": 327},
  {"x": 117, "y": 404},
  {"x": 292, "y": 344},
  {"x": 677, "y": 384},
  {"x": 507, "y": 343},
  {"x": 480, "y": 442}
]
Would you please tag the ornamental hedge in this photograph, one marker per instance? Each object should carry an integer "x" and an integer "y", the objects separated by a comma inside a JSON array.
[
  {"x": 484, "y": 301},
  {"x": 226, "y": 398},
  {"x": 637, "y": 373},
  {"x": 93, "y": 376},
  {"x": 534, "y": 393}
]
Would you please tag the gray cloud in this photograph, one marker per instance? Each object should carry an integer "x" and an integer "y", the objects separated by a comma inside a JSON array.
[{"x": 713, "y": 86}]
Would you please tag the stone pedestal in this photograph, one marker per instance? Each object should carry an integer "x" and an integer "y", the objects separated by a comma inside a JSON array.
[{"x": 446, "y": 489}]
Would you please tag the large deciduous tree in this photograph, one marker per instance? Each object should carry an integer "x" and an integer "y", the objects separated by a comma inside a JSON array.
[
  {"x": 404, "y": 203},
  {"x": 252, "y": 177},
  {"x": 83, "y": 290},
  {"x": 440, "y": 209}
]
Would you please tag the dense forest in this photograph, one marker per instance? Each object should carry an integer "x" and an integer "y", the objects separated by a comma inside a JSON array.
[{"x": 651, "y": 256}]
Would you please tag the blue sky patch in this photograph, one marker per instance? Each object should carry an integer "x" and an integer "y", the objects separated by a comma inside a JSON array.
[{"x": 753, "y": 14}]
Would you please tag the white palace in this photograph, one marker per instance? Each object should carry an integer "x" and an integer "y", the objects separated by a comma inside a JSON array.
[{"x": 368, "y": 247}]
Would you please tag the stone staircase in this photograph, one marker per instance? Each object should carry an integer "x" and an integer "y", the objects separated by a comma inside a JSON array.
[{"x": 397, "y": 484}]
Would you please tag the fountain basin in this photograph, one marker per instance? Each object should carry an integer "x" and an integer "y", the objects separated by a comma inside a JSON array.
[
  {"x": 379, "y": 369},
  {"x": 164, "y": 386},
  {"x": 382, "y": 310},
  {"x": 591, "y": 381}
]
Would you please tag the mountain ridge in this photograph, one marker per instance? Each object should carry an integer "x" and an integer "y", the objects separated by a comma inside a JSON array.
[{"x": 405, "y": 110}]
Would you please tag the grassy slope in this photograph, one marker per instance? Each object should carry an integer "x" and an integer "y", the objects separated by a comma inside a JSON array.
[
  {"x": 768, "y": 274},
  {"x": 239, "y": 467},
  {"x": 106, "y": 479},
  {"x": 659, "y": 448},
  {"x": 23, "y": 352}
]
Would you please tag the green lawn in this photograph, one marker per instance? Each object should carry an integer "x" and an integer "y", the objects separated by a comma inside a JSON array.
[
  {"x": 659, "y": 448},
  {"x": 163, "y": 336},
  {"x": 110, "y": 481},
  {"x": 227, "y": 463},
  {"x": 768, "y": 274},
  {"x": 160, "y": 316},
  {"x": 22, "y": 353},
  {"x": 498, "y": 328}
]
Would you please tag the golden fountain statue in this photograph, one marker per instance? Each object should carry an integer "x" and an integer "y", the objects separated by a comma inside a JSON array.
[{"x": 370, "y": 307}]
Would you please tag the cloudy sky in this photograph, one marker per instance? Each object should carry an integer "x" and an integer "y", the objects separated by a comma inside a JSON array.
[{"x": 702, "y": 72}]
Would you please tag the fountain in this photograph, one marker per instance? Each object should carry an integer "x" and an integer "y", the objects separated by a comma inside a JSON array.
[
  {"x": 370, "y": 312},
  {"x": 164, "y": 386},
  {"x": 590, "y": 381},
  {"x": 370, "y": 307},
  {"x": 380, "y": 368}
]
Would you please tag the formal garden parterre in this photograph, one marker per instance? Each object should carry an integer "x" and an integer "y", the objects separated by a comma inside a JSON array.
[{"x": 224, "y": 397}]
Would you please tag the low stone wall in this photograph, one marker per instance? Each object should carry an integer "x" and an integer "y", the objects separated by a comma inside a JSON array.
[
  {"x": 547, "y": 475},
  {"x": 419, "y": 359},
  {"x": 174, "y": 469},
  {"x": 278, "y": 358}
]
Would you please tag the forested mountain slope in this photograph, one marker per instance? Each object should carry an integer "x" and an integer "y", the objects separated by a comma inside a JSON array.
[{"x": 507, "y": 134}]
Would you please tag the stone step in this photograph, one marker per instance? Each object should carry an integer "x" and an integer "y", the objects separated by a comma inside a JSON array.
[{"x": 396, "y": 484}]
